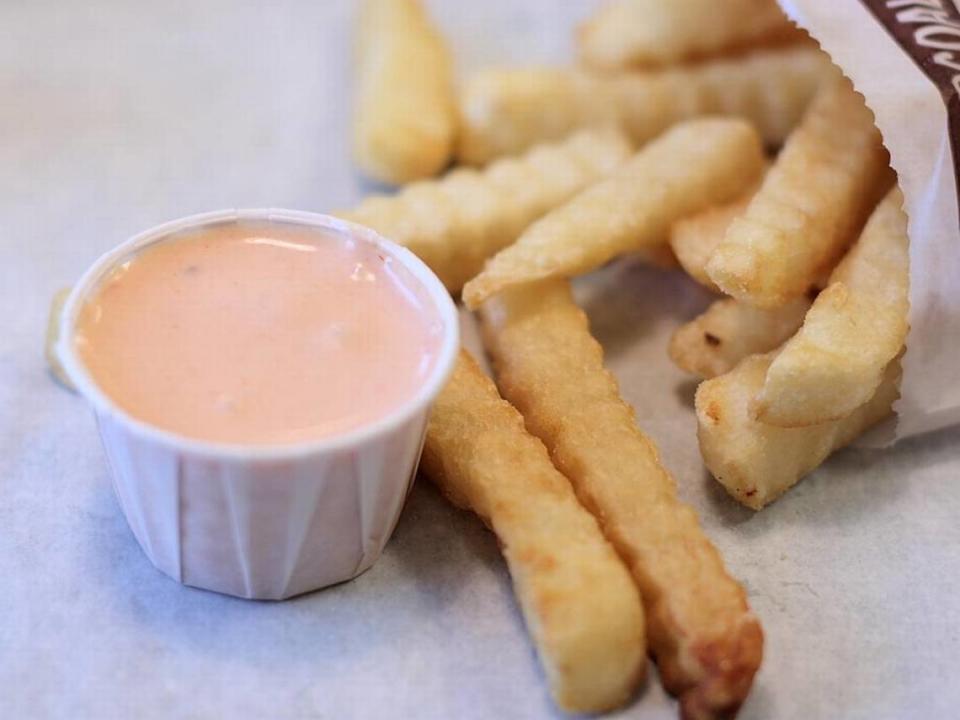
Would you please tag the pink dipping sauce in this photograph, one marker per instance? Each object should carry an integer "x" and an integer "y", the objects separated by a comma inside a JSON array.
[{"x": 260, "y": 333}]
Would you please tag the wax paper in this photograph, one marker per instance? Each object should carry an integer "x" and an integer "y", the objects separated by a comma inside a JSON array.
[{"x": 118, "y": 115}]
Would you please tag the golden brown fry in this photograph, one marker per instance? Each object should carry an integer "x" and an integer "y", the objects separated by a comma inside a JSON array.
[
  {"x": 53, "y": 336},
  {"x": 579, "y": 603},
  {"x": 855, "y": 328},
  {"x": 454, "y": 224},
  {"x": 729, "y": 331},
  {"x": 693, "y": 239},
  {"x": 756, "y": 462},
  {"x": 705, "y": 639},
  {"x": 690, "y": 167},
  {"x": 813, "y": 201},
  {"x": 626, "y": 33},
  {"x": 405, "y": 121},
  {"x": 507, "y": 110}
]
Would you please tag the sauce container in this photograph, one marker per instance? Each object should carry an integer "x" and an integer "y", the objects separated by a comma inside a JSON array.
[{"x": 262, "y": 521}]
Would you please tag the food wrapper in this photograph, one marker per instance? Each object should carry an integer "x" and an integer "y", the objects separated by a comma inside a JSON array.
[{"x": 904, "y": 56}]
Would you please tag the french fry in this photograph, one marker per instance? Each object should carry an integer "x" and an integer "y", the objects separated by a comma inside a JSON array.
[
  {"x": 690, "y": 167},
  {"x": 693, "y": 239},
  {"x": 53, "y": 336},
  {"x": 756, "y": 462},
  {"x": 707, "y": 643},
  {"x": 504, "y": 111},
  {"x": 579, "y": 603},
  {"x": 454, "y": 224},
  {"x": 856, "y": 326},
  {"x": 714, "y": 342},
  {"x": 405, "y": 117},
  {"x": 811, "y": 204},
  {"x": 626, "y": 33}
]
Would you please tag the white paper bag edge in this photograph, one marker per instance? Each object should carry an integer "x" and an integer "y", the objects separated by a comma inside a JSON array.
[{"x": 913, "y": 119}]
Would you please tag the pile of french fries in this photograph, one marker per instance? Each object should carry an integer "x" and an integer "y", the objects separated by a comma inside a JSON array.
[
  {"x": 712, "y": 134},
  {"x": 709, "y": 134}
]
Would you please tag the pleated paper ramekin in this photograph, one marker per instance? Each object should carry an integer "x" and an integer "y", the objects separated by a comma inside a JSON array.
[{"x": 265, "y": 522}]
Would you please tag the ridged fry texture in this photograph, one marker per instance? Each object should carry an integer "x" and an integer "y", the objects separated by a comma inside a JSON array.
[
  {"x": 504, "y": 111},
  {"x": 715, "y": 341},
  {"x": 856, "y": 326},
  {"x": 812, "y": 203},
  {"x": 694, "y": 238},
  {"x": 706, "y": 641},
  {"x": 454, "y": 224},
  {"x": 692, "y": 166},
  {"x": 579, "y": 603},
  {"x": 756, "y": 462}
]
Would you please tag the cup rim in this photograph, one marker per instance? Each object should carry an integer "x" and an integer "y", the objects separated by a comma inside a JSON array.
[{"x": 103, "y": 404}]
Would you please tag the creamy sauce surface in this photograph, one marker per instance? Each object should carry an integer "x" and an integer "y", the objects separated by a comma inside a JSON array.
[{"x": 263, "y": 333}]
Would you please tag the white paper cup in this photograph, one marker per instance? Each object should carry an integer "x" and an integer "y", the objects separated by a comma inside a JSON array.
[{"x": 268, "y": 521}]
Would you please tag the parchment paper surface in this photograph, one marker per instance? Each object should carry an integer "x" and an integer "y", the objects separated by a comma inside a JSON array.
[{"x": 118, "y": 115}]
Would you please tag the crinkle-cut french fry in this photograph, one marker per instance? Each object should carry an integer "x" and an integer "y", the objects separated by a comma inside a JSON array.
[
  {"x": 812, "y": 202},
  {"x": 626, "y": 33},
  {"x": 693, "y": 239},
  {"x": 455, "y": 223},
  {"x": 756, "y": 462},
  {"x": 706, "y": 641},
  {"x": 53, "y": 336},
  {"x": 690, "y": 167},
  {"x": 405, "y": 117},
  {"x": 504, "y": 111},
  {"x": 855, "y": 328},
  {"x": 714, "y": 342},
  {"x": 577, "y": 597}
]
